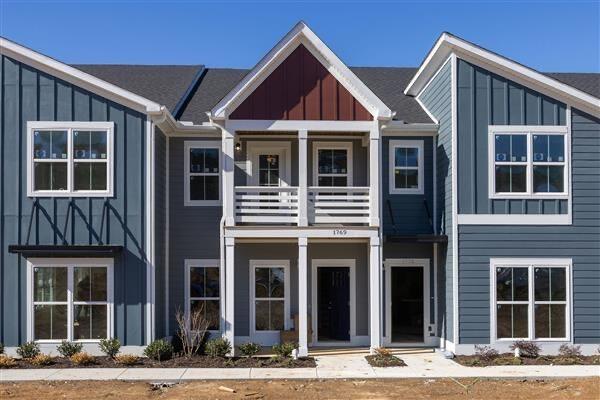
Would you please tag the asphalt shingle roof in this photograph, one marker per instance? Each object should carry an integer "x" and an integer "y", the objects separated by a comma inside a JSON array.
[
  {"x": 163, "y": 84},
  {"x": 166, "y": 84}
]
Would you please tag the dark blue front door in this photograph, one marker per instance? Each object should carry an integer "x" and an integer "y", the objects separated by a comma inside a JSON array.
[{"x": 333, "y": 303}]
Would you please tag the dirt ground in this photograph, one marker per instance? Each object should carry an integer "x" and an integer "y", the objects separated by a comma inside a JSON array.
[{"x": 451, "y": 389}]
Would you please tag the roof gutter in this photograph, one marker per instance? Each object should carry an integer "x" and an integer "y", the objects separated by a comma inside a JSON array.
[
  {"x": 401, "y": 126},
  {"x": 165, "y": 121}
]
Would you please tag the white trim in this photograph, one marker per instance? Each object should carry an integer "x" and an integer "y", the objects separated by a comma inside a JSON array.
[
  {"x": 167, "y": 235},
  {"x": 418, "y": 96},
  {"x": 77, "y": 77},
  {"x": 70, "y": 264},
  {"x": 286, "y": 232},
  {"x": 325, "y": 263},
  {"x": 531, "y": 264},
  {"x": 269, "y": 337},
  {"x": 190, "y": 263},
  {"x": 401, "y": 128},
  {"x": 400, "y": 263},
  {"x": 415, "y": 144},
  {"x": 332, "y": 146},
  {"x": 514, "y": 219},
  {"x": 69, "y": 127},
  {"x": 569, "y": 154},
  {"x": 301, "y": 34},
  {"x": 454, "y": 185},
  {"x": 280, "y": 126},
  {"x": 495, "y": 63},
  {"x": 200, "y": 144},
  {"x": 151, "y": 232},
  {"x": 255, "y": 148},
  {"x": 529, "y": 132}
]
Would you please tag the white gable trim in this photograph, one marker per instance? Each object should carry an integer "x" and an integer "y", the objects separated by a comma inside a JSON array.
[
  {"x": 77, "y": 77},
  {"x": 448, "y": 44},
  {"x": 301, "y": 34}
]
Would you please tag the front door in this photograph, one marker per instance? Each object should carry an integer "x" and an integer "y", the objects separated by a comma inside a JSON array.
[
  {"x": 407, "y": 304},
  {"x": 333, "y": 302}
]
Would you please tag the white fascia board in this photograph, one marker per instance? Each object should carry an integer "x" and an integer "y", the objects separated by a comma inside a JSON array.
[
  {"x": 448, "y": 44},
  {"x": 301, "y": 34},
  {"x": 77, "y": 77},
  {"x": 401, "y": 127},
  {"x": 171, "y": 127}
]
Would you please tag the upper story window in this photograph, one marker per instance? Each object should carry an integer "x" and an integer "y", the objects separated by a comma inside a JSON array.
[
  {"x": 202, "y": 162},
  {"x": 528, "y": 161},
  {"x": 406, "y": 167},
  {"x": 530, "y": 299},
  {"x": 71, "y": 159},
  {"x": 333, "y": 164}
]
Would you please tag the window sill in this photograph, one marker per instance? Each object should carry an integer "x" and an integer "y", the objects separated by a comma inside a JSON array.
[
  {"x": 407, "y": 191},
  {"x": 525, "y": 196},
  {"x": 70, "y": 194},
  {"x": 202, "y": 203}
]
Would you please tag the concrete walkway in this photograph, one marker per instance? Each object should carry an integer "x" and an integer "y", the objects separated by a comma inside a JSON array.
[{"x": 420, "y": 364}]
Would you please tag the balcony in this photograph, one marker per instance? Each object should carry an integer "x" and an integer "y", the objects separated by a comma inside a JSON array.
[{"x": 283, "y": 205}]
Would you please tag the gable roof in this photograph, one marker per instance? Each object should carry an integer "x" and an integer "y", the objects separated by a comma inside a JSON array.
[
  {"x": 77, "y": 77},
  {"x": 547, "y": 84},
  {"x": 301, "y": 34},
  {"x": 386, "y": 82},
  {"x": 164, "y": 84}
]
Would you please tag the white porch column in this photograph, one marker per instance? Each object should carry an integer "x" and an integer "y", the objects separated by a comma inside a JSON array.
[
  {"x": 302, "y": 178},
  {"x": 374, "y": 169},
  {"x": 302, "y": 297},
  {"x": 229, "y": 297},
  {"x": 375, "y": 293},
  {"x": 228, "y": 139}
]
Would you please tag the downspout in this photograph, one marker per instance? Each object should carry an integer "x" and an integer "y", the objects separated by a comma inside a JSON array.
[{"x": 222, "y": 271}]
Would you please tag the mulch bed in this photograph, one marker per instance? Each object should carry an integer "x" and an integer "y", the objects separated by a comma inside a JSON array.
[
  {"x": 385, "y": 361},
  {"x": 510, "y": 359},
  {"x": 182, "y": 362}
]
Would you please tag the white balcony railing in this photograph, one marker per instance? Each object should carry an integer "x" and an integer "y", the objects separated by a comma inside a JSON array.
[
  {"x": 266, "y": 205},
  {"x": 338, "y": 205},
  {"x": 281, "y": 205}
]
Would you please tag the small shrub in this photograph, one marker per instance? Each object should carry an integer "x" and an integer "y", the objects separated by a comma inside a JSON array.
[
  {"x": 82, "y": 358},
  {"x": 569, "y": 351},
  {"x": 68, "y": 349},
  {"x": 284, "y": 349},
  {"x": 471, "y": 362},
  {"x": 159, "y": 350},
  {"x": 42, "y": 359},
  {"x": 566, "y": 360},
  {"x": 127, "y": 359},
  {"x": 249, "y": 349},
  {"x": 28, "y": 350},
  {"x": 383, "y": 352},
  {"x": 1, "y": 348},
  {"x": 110, "y": 347},
  {"x": 485, "y": 353},
  {"x": 6, "y": 361},
  {"x": 218, "y": 347},
  {"x": 526, "y": 349}
]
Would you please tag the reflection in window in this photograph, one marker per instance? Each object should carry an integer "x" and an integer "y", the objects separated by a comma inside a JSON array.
[
  {"x": 203, "y": 174},
  {"x": 269, "y": 294},
  {"x": 204, "y": 294}
]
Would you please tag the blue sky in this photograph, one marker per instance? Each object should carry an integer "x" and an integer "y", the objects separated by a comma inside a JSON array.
[{"x": 548, "y": 36}]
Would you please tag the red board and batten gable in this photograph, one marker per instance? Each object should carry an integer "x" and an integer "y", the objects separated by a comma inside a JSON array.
[{"x": 300, "y": 88}]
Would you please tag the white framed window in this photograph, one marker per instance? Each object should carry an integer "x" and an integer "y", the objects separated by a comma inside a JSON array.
[
  {"x": 69, "y": 299},
  {"x": 269, "y": 296},
  {"x": 332, "y": 164},
  {"x": 202, "y": 290},
  {"x": 69, "y": 159},
  {"x": 202, "y": 166},
  {"x": 528, "y": 161},
  {"x": 406, "y": 174},
  {"x": 530, "y": 299}
]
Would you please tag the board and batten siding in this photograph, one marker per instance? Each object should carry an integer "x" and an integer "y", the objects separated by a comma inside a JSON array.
[
  {"x": 405, "y": 214},
  {"x": 580, "y": 241},
  {"x": 486, "y": 99},
  {"x": 30, "y": 95},
  {"x": 437, "y": 98},
  {"x": 193, "y": 230}
]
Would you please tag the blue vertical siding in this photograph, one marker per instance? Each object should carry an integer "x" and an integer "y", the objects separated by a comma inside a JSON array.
[
  {"x": 487, "y": 99},
  {"x": 437, "y": 98},
  {"x": 408, "y": 211},
  {"x": 580, "y": 241},
  {"x": 30, "y": 95}
]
